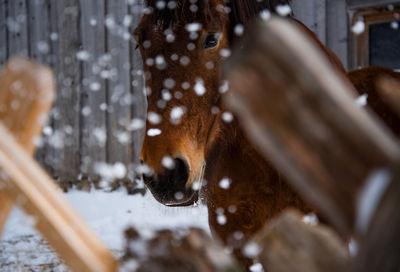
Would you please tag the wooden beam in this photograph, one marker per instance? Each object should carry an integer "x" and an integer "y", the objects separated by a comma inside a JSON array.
[
  {"x": 357, "y": 4},
  {"x": 301, "y": 114}
]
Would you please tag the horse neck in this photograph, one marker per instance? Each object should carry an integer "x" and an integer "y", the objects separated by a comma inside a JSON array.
[{"x": 335, "y": 61}]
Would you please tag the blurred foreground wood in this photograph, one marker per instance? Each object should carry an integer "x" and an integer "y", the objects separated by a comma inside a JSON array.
[
  {"x": 26, "y": 95},
  {"x": 175, "y": 251},
  {"x": 380, "y": 243},
  {"x": 303, "y": 117},
  {"x": 288, "y": 244}
]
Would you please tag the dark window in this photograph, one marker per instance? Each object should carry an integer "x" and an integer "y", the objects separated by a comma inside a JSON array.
[{"x": 384, "y": 45}]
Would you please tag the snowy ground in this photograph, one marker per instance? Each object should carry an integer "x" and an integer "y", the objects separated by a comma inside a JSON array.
[{"x": 109, "y": 214}]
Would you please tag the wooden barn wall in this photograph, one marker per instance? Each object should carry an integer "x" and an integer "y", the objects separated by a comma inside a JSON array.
[
  {"x": 329, "y": 20},
  {"x": 89, "y": 45}
]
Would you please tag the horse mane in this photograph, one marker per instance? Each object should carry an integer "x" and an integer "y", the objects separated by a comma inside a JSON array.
[{"x": 240, "y": 11}]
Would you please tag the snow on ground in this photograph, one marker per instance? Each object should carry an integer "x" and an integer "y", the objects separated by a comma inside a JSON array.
[{"x": 108, "y": 214}]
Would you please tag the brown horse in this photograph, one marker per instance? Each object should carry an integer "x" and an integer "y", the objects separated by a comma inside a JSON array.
[{"x": 193, "y": 143}]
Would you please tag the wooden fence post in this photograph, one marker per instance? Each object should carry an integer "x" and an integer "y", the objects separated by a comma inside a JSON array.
[{"x": 303, "y": 117}]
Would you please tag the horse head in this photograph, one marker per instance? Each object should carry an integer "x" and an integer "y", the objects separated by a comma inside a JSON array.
[{"x": 181, "y": 49}]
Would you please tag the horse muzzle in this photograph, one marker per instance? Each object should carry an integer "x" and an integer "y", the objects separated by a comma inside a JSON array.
[{"x": 169, "y": 186}]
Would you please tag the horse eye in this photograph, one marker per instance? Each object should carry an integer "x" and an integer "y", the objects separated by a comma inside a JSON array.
[{"x": 211, "y": 40}]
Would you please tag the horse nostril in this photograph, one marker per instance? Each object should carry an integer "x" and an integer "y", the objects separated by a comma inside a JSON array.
[{"x": 180, "y": 173}]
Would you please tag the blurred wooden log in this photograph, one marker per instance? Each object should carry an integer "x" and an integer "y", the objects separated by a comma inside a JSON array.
[
  {"x": 302, "y": 116},
  {"x": 175, "y": 251},
  {"x": 376, "y": 84},
  {"x": 379, "y": 224},
  {"x": 25, "y": 101},
  {"x": 288, "y": 244}
]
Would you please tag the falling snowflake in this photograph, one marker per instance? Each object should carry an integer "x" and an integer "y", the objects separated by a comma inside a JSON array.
[
  {"x": 153, "y": 132},
  {"x": 199, "y": 87},
  {"x": 283, "y": 10},
  {"x": 358, "y": 28},
  {"x": 225, "y": 183},
  {"x": 168, "y": 162}
]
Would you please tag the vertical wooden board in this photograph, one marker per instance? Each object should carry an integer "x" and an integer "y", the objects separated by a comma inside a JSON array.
[
  {"x": 139, "y": 105},
  {"x": 17, "y": 24},
  {"x": 119, "y": 96},
  {"x": 312, "y": 14},
  {"x": 66, "y": 114},
  {"x": 40, "y": 51},
  {"x": 38, "y": 17},
  {"x": 3, "y": 33},
  {"x": 338, "y": 29},
  {"x": 94, "y": 62},
  {"x": 320, "y": 15}
]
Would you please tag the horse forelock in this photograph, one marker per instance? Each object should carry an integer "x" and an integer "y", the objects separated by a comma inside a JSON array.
[
  {"x": 242, "y": 11},
  {"x": 182, "y": 13}
]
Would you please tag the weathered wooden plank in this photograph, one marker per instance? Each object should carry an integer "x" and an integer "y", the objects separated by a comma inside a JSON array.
[
  {"x": 139, "y": 105},
  {"x": 38, "y": 27},
  {"x": 119, "y": 96},
  {"x": 94, "y": 62},
  {"x": 66, "y": 115},
  {"x": 39, "y": 49},
  {"x": 312, "y": 14},
  {"x": 302, "y": 116},
  {"x": 17, "y": 23},
  {"x": 3, "y": 33},
  {"x": 337, "y": 29}
]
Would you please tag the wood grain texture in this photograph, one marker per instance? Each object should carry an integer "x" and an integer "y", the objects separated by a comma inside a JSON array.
[
  {"x": 3, "y": 33},
  {"x": 17, "y": 28},
  {"x": 94, "y": 92},
  {"x": 337, "y": 30},
  {"x": 119, "y": 96},
  {"x": 40, "y": 51},
  {"x": 67, "y": 120},
  {"x": 302, "y": 116},
  {"x": 139, "y": 105}
]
